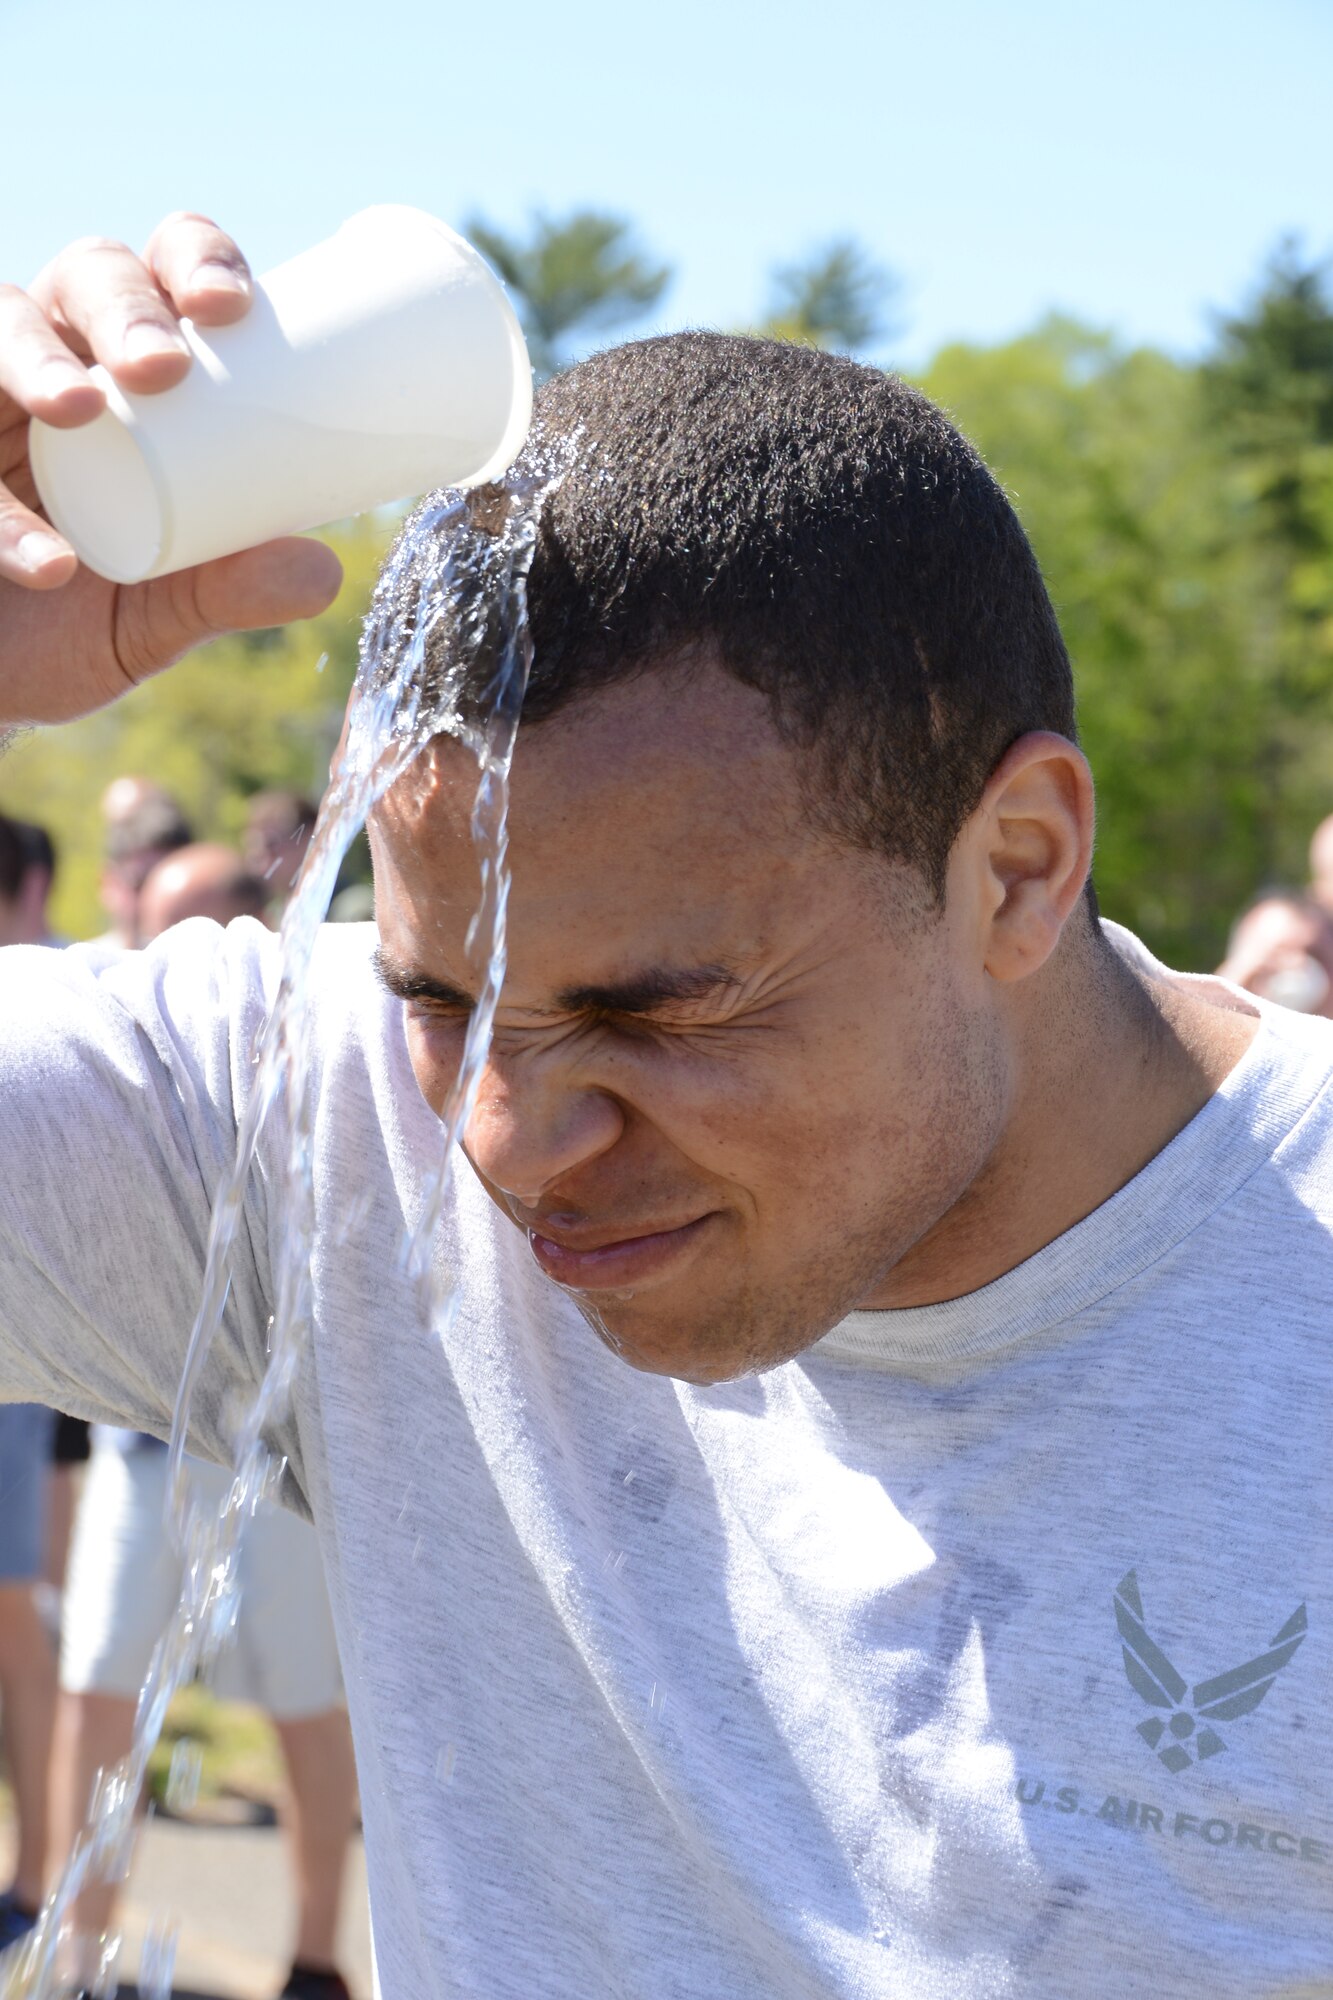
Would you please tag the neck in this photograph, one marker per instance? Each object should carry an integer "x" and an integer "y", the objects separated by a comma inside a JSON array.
[{"x": 1109, "y": 1066}]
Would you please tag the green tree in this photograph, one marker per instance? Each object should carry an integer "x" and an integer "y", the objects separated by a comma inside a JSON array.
[
  {"x": 1120, "y": 477},
  {"x": 573, "y": 279},
  {"x": 1270, "y": 378},
  {"x": 837, "y": 297},
  {"x": 1268, "y": 390}
]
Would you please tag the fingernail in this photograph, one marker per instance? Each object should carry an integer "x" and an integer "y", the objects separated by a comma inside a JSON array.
[
  {"x": 219, "y": 278},
  {"x": 146, "y": 339},
  {"x": 36, "y": 550}
]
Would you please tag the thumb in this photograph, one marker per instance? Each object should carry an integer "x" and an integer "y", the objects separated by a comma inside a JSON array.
[{"x": 279, "y": 581}]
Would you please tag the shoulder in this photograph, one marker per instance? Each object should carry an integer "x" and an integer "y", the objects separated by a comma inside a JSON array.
[
  {"x": 1297, "y": 1055},
  {"x": 196, "y": 999}
]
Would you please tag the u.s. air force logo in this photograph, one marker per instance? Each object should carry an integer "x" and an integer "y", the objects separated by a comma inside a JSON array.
[{"x": 1221, "y": 1699}]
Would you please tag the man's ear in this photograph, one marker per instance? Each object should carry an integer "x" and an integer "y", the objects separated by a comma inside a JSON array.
[{"x": 1031, "y": 836}]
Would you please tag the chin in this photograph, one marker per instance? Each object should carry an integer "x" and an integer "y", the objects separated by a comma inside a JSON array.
[{"x": 691, "y": 1355}]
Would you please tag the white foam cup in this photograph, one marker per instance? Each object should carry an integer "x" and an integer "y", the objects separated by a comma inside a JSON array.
[{"x": 374, "y": 366}]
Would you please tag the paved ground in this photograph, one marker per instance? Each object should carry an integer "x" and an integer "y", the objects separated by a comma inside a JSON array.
[{"x": 227, "y": 1891}]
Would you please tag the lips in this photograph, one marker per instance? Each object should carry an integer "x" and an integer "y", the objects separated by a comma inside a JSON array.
[{"x": 588, "y": 1266}]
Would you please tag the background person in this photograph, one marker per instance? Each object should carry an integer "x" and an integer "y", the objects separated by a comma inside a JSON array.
[
  {"x": 18, "y": 919},
  {"x": 278, "y": 826},
  {"x": 1281, "y": 947},
  {"x": 23, "y": 909},
  {"x": 203, "y": 879},
  {"x": 70, "y": 1447},
  {"x": 27, "y": 1663},
  {"x": 124, "y": 1582},
  {"x": 27, "y": 876},
  {"x": 146, "y": 825}
]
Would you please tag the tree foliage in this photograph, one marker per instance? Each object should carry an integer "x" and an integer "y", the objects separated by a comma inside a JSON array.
[
  {"x": 837, "y": 297},
  {"x": 572, "y": 279},
  {"x": 1196, "y": 615}
]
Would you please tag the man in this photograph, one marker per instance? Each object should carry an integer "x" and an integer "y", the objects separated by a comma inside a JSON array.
[
  {"x": 854, "y": 1534},
  {"x": 137, "y": 839},
  {"x": 27, "y": 1664},
  {"x": 125, "y": 1580},
  {"x": 27, "y": 872},
  {"x": 27, "y": 1667}
]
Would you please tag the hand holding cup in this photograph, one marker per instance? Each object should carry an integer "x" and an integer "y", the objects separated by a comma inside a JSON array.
[{"x": 69, "y": 640}]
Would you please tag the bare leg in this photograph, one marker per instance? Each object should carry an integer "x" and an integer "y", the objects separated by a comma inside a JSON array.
[
  {"x": 321, "y": 1810},
  {"x": 27, "y": 1711},
  {"x": 93, "y": 1732}
]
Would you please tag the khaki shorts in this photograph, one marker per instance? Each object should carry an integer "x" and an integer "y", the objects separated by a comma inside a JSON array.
[{"x": 124, "y": 1583}]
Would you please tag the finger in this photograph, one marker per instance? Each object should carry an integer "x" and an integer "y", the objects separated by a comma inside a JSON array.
[
  {"x": 102, "y": 294},
  {"x": 200, "y": 269},
  {"x": 38, "y": 370},
  {"x": 31, "y": 552},
  {"x": 296, "y": 577}
]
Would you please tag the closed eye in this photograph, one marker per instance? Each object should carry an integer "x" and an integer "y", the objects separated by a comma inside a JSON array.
[{"x": 420, "y": 989}]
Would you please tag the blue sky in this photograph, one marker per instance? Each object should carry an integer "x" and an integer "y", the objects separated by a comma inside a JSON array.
[{"x": 1130, "y": 164}]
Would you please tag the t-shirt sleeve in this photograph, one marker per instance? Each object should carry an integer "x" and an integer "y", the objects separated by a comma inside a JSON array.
[{"x": 122, "y": 1078}]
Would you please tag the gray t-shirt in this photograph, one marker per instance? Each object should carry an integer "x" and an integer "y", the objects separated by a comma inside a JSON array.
[{"x": 985, "y": 1649}]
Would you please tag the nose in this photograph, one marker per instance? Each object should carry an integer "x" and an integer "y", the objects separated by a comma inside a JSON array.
[{"x": 534, "y": 1121}]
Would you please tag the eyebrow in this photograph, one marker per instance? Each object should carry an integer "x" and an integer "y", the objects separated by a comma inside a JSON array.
[
  {"x": 641, "y": 993},
  {"x": 406, "y": 984}
]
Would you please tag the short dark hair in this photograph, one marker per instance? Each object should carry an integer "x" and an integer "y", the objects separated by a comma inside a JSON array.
[{"x": 825, "y": 533}]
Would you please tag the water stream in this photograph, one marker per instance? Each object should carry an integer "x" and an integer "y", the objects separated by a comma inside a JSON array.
[{"x": 445, "y": 649}]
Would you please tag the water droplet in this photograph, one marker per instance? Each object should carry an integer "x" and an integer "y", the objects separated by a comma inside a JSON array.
[
  {"x": 157, "y": 1959},
  {"x": 104, "y": 1982},
  {"x": 183, "y": 1775}
]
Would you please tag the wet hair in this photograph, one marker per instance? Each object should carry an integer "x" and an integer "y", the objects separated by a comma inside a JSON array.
[{"x": 822, "y": 532}]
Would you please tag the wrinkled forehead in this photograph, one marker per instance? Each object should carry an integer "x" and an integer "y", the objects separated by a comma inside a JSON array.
[
  {"x": 659, "y": 821},
  {"x": 686, "y": 761}
]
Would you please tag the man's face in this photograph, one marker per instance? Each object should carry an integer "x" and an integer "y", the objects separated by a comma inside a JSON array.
[{"x": 738, "y": 1069}]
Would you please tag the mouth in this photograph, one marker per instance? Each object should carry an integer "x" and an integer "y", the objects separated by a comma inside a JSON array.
[{"x": 614, "y": 1265}]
